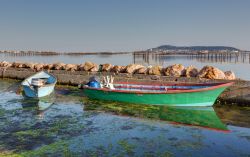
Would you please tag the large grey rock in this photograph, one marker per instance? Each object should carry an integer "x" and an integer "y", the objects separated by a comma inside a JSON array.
[
  {"x": 211, "y": 72},
  {"x": 175, "y": 70}
]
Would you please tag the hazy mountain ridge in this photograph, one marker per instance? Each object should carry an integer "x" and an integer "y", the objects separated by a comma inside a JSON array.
[{"x": 196, "y": 48}]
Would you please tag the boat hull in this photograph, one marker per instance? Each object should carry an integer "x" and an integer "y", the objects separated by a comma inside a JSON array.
[
  {"x": 39, "y": 92},
  {"x": 199, "y": 98}
]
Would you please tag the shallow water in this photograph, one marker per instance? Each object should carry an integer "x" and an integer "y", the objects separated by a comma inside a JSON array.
[
  {"x": 236, "y": 64},
  {"x": 71, "y": 125}
]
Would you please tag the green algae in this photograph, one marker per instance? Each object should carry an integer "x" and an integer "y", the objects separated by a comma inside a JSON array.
[
  {"x": 144, "y": 111},
  {"x": 69, "y": 91},
  {"x": 184, "y": 144},
  {"x": 28, "y": 135},
  {"x": 59, "y": 148},
  {"x": 59, "y": 125},
  {"x": 166, "y": 154},
  {"x": 158, "y": 154},
  {"x": 2, "y": 112},
  {"x": 127, "y": 147},
  {"x": 65, "y": 126},
  {"x": 32, "y": 133},
  {"x": 10, "y": 154}
]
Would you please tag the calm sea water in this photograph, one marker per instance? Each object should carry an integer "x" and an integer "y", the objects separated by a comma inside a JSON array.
[
  {"x": 239, "y": 65},
  {"x": 68, "y": 124}
]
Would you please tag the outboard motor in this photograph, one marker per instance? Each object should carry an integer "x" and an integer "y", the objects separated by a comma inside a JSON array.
[{"x": 94, "y": 82}]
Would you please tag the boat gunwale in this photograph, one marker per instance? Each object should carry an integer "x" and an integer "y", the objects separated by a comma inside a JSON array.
[
  {"x": 216, "y": 86},
  {"x": 46, "y": 85}
]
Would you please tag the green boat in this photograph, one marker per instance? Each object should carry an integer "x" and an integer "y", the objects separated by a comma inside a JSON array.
[{"x": 159, "y": 94}]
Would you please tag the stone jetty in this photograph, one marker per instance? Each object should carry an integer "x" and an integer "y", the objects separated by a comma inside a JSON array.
[
  {"x": 73, "y": 74},
  {"x": 176, "y": 70}
]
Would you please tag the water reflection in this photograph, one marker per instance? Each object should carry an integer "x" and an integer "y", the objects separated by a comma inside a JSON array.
[
  {"x": 40, "y": 106},
  {"x": 234, "y": 62},
  {"x": 159, "y": 58},
  {"x": 204, "y": 117}
]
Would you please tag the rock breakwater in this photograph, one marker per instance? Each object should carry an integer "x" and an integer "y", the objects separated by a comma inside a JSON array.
[{"x": 176, "y": 70}]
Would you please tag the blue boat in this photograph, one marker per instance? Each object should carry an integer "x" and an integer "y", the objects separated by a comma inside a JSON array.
[{"x": 39, "y": 85}]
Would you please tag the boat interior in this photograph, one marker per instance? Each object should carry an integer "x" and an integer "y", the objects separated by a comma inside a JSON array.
[
  {"x": 160, "y": 88},
  {"x": 41, "y": 77}
]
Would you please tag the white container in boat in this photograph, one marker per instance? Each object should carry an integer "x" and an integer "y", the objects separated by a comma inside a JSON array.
[{"x": 37, "y": 82}]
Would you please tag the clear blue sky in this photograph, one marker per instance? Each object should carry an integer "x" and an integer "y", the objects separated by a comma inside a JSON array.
[{"x": 122, "y": 25}]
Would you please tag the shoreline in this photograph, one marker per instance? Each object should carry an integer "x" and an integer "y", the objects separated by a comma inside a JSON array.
[
  {"x": 53, "y": 53},
  {"x": 238, "y": 94},
  {"x": 157, "y": 52}
]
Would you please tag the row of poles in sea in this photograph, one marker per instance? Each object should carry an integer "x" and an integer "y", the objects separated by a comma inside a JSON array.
[{"x": 154, "y": 58}]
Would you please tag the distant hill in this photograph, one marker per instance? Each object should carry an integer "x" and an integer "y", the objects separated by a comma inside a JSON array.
[{"x": 195, "y": 48}]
